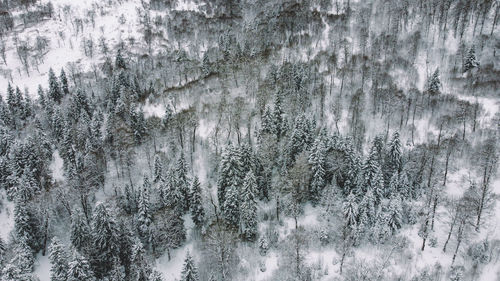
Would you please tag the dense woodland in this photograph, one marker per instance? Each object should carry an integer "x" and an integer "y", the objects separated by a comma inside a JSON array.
[{"x": 365, "y": 129}]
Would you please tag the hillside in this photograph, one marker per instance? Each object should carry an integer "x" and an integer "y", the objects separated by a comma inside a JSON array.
[{"x": 249, "y": 140}]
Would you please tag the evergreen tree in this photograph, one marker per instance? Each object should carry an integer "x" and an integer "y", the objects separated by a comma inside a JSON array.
[
  {"x": 471, "y": 60},
  {"x": 140, "y": 270},
  {"x": 372, "y": 174},
  {"x": 394, "y": 214},
  {"x": 182, "y": 181},
  {"x": 80, "y": 232},
  {"x": 230, "y": 173},
  {"x": 54, "y": 89},
  {"x": 267, "y": 125},
  {"x": 189, "y": 270},
  {"x": 119, "y": 61},
  {"x": 105, "y": 239},
  {"x": 11, "y": 273},
  {"x": 11, "y": 98},
  {"x": 144, "y": 217},
  {"x": 278, "y": 122},
  {"x": 155, "y": 276},
  {"x": 64, "y": 82},
  {"x": 249, "y": 207},
  {"x": 158, "y": 169},
  {"x": 58, "y": 260},
  {"x": 317, "y": 160},
  {"x": 26, "y": 225},
  {"x": 350, "y": 211},
  {"x": 395, "y": 154},
  {"x": 41, "y": 97},
  {"x": 232, "y": 206},
  {"x": 79, "y": 268},
  {"x": 300, "y": 139},
  {"x": 24, "y": 259},
  {"x": 197, "y": 211},
  {"x": 434, "y": 84}
]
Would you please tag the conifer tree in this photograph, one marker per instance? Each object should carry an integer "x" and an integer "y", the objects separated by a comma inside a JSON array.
[
  {"x": 434, "y": 84},
  {"x": 249, "y": 207},
  {"x": 182, "y": 181},
  {"x": 140, "y": 270},
  {"x": 158, "y": 169},
  {"x": 11, "y": 272},
  {"x": 119, "y": 61},
  {"x": 59, "y": 261},
  {"x": 189, "y": 270},
  {"x": 79, "y": 232},
  {"x": 144, "y": 216},
  {"x": 229, "y": 173},
  {"x": 105, "y": 239},
  {"x": 26, "y": 225},
  {"x": 278, "y": 122},
  {"x": 267, "y": 126},
  {"x": 470, "y": 60},
  {"x": 394, "y": 214},
  {"x": 350, "y": 211},
  {"x": 232, "y": 206},
  {"x": 54, "y": 89},
  {"x": 317, "y": 162},
  {"x": 197, "y": 211},
  {"x": 395, "y": 154},
  {"x": 79, "y": 268},
  {"x": 155, "y": 276},
  {"x": 64, "y": 82},
  {"x": 23, "y": 259}
]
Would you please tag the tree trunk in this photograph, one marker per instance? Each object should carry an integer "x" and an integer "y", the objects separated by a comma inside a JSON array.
[{"x": 451, "y": 230}]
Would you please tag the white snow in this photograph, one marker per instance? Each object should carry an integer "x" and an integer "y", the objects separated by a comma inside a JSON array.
[
  {"x": 56, "y": 166},
  {"x": 171, "y": 270},
  {"x": 42, "y": 267}
]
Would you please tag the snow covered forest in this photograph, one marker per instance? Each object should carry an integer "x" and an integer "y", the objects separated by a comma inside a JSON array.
[{"x": 249, "y": 140}]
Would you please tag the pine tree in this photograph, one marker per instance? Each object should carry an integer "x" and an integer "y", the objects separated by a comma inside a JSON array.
[
  {"x": 232, "y": 206},
  {"x": 105, "y": 239},
  {"x": 197, "y": 211},
  {"x": 140, "y": 270},
  {"x": 317, "y": 160},
  {"x": 117, "y": 273},
  {"x": 395, "y": 154},
  {"x": 64, "y": 82},
  {"x": 300, "y": 139},
  {"x": 79, "y": 268},
  {"x": 59, "y": 261},
  {"x": 158, "y": 169},
  {"x": 434, "y": 84},
  {"x": 11, "y": 98},
  {"x": 144, "y": 216},
  {"x": 249, "y": 207},
  {"x": 350, "y": 211},
  {"x": 189, "y": 270},
  {"x": 267, "y": 125},
  {"x": 119, "y": 61},
  {"x": 182, "y": 181},
  {"x": 471, "y": 60},
  {"x": 24, "y": 259},
  {"x": 155, "y": 276},
  {"x": 394, "y": 214},
  {"x": 230, "y": 173},
  {"x": 54, "y": 90},
  {"x": 278, "y": 122},
  {"x": 372, "y": 173},
  {"x": 80, "y": 232},
  {"x": 11, "y": 273},
  {"x": 26, "y": 225}
]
